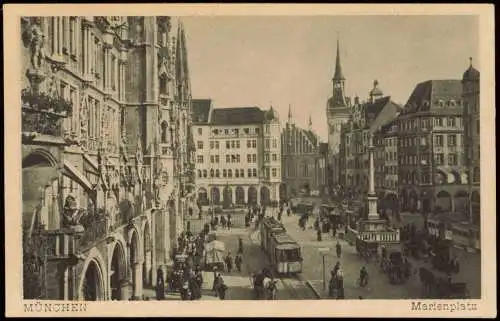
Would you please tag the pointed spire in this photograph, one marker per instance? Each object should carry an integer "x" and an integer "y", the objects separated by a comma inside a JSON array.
[
  {"x": 289, "y": 113},
  {"x": 181, "y": 63},
  {"x": 470, "y": 59},
  {"x": 310, "y": 122},
  {"x": 338, "y": 75}
]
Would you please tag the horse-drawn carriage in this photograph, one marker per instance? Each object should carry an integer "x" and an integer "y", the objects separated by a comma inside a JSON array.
[
  {"x": 366, "y": 249},
  {"x": 439, "y": 287},
  {"x": 398, "y": 269},
  {"x": 214, "y": 256},
  {"x": 176, "y": 278},
  {"x": 441, "y": 255}
]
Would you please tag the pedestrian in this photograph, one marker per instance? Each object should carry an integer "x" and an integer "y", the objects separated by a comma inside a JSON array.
[
  {"x": 228, "y": 221},
  {"x": 318, "y": 235},
  {"x": 339, "y": 249},
  {"x": 240, "y": 245},
  {"x": 336, "y": 268},
  {"x": 363, "y": 277},
  {"x": 279, "y": 216},
  {"x": 193, "y": 289},
  {"x": 288, "y": 211},
  {"x": 340, "y": 283},
  {"x": 160, "y": 285},
  {"x": 238, "y": 260},
  {"x": 223, "y": 221},
  {"x": 229, "y": 262},
  {"x": 222, "y": 289},
  {"x": 216, "y": 283}
]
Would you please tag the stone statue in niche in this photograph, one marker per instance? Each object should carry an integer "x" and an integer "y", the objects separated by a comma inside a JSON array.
[
  {"x": 171, "y": 130},
  {"x": 164, "y": 133},
  {"x": 35, "y": 40},
  {"x": 71, "y": 213},
  {"x": 83, "y": 119}
]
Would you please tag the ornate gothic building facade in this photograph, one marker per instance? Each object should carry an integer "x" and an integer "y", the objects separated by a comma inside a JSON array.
[{"x": 107, "y": 154}]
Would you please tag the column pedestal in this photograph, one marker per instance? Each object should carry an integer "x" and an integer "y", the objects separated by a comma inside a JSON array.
[
  {"x": 124, "y": 290},
  {"x": 148, "y": 272},
  {"x": 372, "y": 207}
]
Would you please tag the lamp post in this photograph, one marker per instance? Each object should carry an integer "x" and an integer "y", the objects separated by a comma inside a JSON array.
[{"x": 323, "y": 251}]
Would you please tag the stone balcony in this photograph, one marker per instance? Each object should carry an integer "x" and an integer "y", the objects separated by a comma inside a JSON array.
[{"x": 380, "y": 236}]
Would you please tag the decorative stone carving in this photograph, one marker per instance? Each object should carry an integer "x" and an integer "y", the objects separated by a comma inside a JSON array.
[
  {"x": 35, "y": 39},
  {"x": 71, "y": 213}
]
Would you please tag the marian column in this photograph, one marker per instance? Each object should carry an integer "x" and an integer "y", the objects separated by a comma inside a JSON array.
[{"x": 372, "y": 196}]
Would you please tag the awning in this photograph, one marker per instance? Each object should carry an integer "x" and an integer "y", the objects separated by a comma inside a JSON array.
[
  {"x": 71, "y": 171},
  {"x": 215, "y": 246}
]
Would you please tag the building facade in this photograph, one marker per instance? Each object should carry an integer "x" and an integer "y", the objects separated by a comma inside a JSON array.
[
  {"x": 472, "y": 140},
  {"x": 367, "y": 118},
  {"x": 432, "y": 168},
  {"x": 238, "y": 154},
  {"x": 304, "y": 160},
  {"x": 103, "y": 195},
  {"x": 388, "y": 172},
  {"x": 337, "y": 113}
]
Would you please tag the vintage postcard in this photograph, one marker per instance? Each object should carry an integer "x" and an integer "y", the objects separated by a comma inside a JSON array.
[{"x": 192, "y": 160}]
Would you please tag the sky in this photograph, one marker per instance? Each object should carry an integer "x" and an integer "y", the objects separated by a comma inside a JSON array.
[{"x": 282, "y": 61}]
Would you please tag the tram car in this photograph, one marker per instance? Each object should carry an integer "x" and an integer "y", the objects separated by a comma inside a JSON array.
[
  {"x": 268, "y": 227},
  {"x": 285, "y": 254}
]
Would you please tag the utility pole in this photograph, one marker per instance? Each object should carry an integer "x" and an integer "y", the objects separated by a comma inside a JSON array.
[{"x": 323, "y": 251}]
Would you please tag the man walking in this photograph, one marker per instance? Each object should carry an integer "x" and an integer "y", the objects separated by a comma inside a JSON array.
[
  {"x": 339, "y": 249},
  {"x": 238, "y": 260},
  {"x": 229, "y": 262},
  {"x": 240, "y": 245}
]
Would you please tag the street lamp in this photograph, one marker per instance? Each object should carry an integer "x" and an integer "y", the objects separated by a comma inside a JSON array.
[{"x": 323, "y": 251}]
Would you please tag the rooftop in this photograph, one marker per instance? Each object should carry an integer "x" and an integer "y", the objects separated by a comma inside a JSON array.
[
  {"x": 200, "y": 110},
  {"x": 237, "y": 116},
  {"x": 434, "y": 94}
]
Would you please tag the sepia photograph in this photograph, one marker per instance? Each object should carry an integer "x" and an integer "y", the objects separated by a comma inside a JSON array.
[{"x": 252, "y": 157}]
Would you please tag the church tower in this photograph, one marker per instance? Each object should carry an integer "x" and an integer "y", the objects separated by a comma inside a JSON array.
[{"x": 337, "y": 113}]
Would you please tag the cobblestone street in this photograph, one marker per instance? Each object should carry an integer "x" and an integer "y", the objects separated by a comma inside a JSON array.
[{"x": 379, "y": 286}]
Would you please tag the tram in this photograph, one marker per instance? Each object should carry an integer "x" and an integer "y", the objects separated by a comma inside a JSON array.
[
  {"x": 268, "y": 227},
  {"x": 284, "y": 253}
]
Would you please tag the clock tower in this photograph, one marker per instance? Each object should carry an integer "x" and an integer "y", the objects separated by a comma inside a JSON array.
[{"x": 337, "y": 113}]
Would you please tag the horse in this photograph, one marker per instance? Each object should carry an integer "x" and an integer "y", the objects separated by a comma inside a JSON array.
[
  {"x": 271, "y": 288},
  {"x": 427, "y": 279}
]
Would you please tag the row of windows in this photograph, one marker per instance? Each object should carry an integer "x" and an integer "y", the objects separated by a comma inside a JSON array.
[
  {"x": 268, "y": 143},
  {"x": 232, "y": 131},
  {"x": 267, "y": 157},
  {"x": 230, "y": 144},
  {"x": 453, "y": 159},
  {"x": 238, "y": 173},
  {"x": 100, "y": 121},
  {"x": 215, "y": 159},
  {"x": 251, "y": 143},
  {"x": 451, "y": 140},
  {"x": 85, "y": 52},
  {"x": 251, "y": 158},
  {"x": 390, "y": 183}
]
